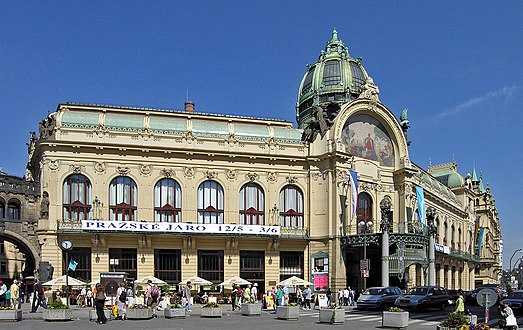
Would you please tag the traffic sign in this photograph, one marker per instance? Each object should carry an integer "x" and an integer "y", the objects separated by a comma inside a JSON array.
[
  {"x": 487, "y": 297},
  {"x": 364, "y": 265}
]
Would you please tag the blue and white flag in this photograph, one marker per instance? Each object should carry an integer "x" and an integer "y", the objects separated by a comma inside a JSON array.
[
  {"x": 72, "y": 265},
  {"x": 421, "y": 204},
  {"x": 354, "y": 193},
  {"x": 480, "y": 240}
]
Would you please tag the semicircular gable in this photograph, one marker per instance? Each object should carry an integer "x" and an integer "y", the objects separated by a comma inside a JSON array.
[{"x": 371, "y": 132}]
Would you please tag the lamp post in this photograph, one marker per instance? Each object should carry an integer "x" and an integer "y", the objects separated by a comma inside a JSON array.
[
  {"x": 432, "y": 231},
  {"x": 365, "y": 227},
  {"x": 510, "y": 263}
]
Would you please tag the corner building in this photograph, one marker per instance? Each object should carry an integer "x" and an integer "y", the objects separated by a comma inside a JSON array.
[{"x": 181, "y": 193}]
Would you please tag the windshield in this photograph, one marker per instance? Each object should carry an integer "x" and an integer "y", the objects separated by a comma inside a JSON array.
[
  {"x": 374, "y": 291},
  {"x": 418, "y": 291},
  {"x": 516, "y": 295}
]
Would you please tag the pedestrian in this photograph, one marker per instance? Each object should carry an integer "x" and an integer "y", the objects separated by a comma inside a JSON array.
[
  {"x": 234, "y": 296},
  {"x": 307, "y": 294},
  {"x": 99, "y": 303},
  {"x": 351, "y": 296},
  {"x": 3, "y": 293},
  {"x": 152, "y": 294},
  {"x": 38, "y": 297},
  {"x": 186, "y": 294},
  {"x": 254, "y": 292},
  {"x": 299, "y": 297},
  {"x": 285, "y": 295},
  {"x": 279, "y": 296},
  {"x": 510, "y": 321},
  {"x": 121, "y": 301},
  {"x": 89, "y": 297},
  {"x": 15, "y": 295},
  {"x": 460, "y": 303},
  {"x": 240, "y": 297},
  {"x": 247, "y": 294},
  {"x": 82, "y": 297}
]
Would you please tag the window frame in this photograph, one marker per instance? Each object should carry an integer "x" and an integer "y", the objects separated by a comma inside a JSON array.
[
  {"x": 174, "y": 194},
  {"x": 123, "y": 210},
  {"x": 288, "y": 216},
  {"x": 68, "y": 209},
  {"x": 254, "y": 215}
]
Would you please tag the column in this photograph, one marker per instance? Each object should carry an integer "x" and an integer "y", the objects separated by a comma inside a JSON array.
[{"x": 385, "y": 259}]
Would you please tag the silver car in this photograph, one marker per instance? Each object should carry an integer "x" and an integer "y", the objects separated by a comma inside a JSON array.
[{"x": 378, "y": 297}]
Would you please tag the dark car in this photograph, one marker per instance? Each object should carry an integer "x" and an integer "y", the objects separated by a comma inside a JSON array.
[
  {"x": 378, "y": 297},
  {"x": 515, "y": 301},
  {"x": 422, "y": 297},
  {"x": 453, "y": 296}
]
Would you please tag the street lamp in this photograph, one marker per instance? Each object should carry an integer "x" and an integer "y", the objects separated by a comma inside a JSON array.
[
  {"x": 365, "y": 227},
  {"x": 510, "y": 263}
]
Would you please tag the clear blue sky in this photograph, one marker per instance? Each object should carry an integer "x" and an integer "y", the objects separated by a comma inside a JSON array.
[{"x": 457, "y": 66}]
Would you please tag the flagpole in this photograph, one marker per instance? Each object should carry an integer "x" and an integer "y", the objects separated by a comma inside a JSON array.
[{"x": 67, "y": 277}]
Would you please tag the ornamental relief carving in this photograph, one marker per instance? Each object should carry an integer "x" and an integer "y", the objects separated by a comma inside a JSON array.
[
  {"x": 53, "y": 165},
  {"x": 146, "y": 169},
  {"x": 211, "y": 175},
  {"x": 231, "y": 174},
  {"x": 123, "y": 170},
  {"x": 272, "y": 177},
  {"x": 167, "y": 172},
  {"x": 292, "y": 179},
  {"x": 76, "y": 169},
  {"x": 100, "y": 167},
  {"x": 252, "y": 176},
  {"x": 188, "y": 172}
]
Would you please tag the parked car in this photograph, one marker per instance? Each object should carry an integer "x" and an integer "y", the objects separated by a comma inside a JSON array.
[
  {"x": 515, "y": 301},
  {"x": 423, "y": 297},
  {"x": 378, "y": 297}
]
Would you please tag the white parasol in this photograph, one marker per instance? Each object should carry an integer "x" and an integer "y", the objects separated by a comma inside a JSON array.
[
  {"x": 293, "y": 281},
  {"x": 196, "y": 281},
  {"x": 61, "y": 281},
  {"x": 153, "y": 279},
  {"x": 235, "y": 280}
]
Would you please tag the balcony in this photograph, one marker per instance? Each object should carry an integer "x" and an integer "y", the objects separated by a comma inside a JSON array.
[
  {"x": 463, "y": 255},
  {"x": 294, "y": 232}
]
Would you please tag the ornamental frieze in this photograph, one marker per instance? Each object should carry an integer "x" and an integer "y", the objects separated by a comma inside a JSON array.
[
  {"x": 167, "y": 172},
  {"x": 146, "y": 169},
  {"x": 272, "y": 177},
  {"x": 123, "y": 170},
  {"x": 76, "y": 169},
  {"x": 252, "y": 176},
  {"x": 232, "y": 174},
  {"x": 53, "y": 165},
  {"x": 188, "y": 172},
  {"x": 100, "y": 167},
  {"x": 211, "y": 175},
  {"x": 292, "y": 179}
]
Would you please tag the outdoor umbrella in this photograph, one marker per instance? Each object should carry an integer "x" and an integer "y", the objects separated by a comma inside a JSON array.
[
  {"x": 61, "y": 281},
  {"x": 153, "y": 279},
  {"x": 235, "y": 280},
  {"x": 293, "y": 281},
  {"x": 196, "y": 281}
]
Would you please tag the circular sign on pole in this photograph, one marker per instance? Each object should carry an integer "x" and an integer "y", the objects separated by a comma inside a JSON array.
[{"x": 487, "y": 297}]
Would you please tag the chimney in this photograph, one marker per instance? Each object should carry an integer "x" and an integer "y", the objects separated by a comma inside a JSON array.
[{"x": 189, "y": 106}]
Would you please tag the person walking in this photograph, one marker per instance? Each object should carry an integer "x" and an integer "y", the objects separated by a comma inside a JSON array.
[
  {"x": 460, "y": 302},
  {"x": 99, "y": 303},
  {"x": 510, "y": 321},
  {"x": 307, "y": 294},
  {"x": 89, "y": 297},
  {"x": 3, "y": 293},
  {"x": 234, "y": 296},
  {"x": 15, "y": 295},
  {"x": 121, "y": 301},
  {"x": 247, "y": 294},
  {"x": 254, "y": 293},
  {"x": 152, "y": 294},
  {"x": 279, "y": 296},
  {"x": 38, "y": 297},
  {"x": 186, "y": 293}
]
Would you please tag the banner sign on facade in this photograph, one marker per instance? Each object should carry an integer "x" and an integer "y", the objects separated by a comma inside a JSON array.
[
  {"x": 354, "y": 193},
  {"x": 421, "y": 204},
  {"x": 178, "y": 227}
]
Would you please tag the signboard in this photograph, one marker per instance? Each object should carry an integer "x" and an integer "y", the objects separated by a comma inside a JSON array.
[
  {"x": 321, "y": 280},
  {"x": 487, "y": 297},
  {"x": 178, "y": 227},
  {"x": 269, "y": 302},
  {"x": 323, "y": 302},
  {"x": 364, "y": 265},
  {"x": 365, "y": 273}
]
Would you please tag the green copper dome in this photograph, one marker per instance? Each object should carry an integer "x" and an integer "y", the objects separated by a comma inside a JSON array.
[{"x": 335, "y": 77}]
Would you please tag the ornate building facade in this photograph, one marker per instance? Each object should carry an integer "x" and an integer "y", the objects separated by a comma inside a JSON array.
[{"x": 337, "y": 201}]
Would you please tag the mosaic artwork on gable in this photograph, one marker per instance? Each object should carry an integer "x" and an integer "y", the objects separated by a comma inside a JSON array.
[{"x": 366, "y": 137}]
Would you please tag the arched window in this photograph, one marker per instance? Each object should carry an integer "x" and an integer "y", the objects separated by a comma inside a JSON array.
[
  {"x": 210, "y": 202},
  {"x": 77, "y": 197},
  {"x": 123, "y": 198},
  {"x": 13, "y": 210},
  {"x": 445, "y": 228},
  {"x": 364, "y": 211},
  {"x": 437, "y": 230},
  {"x": 471, "y": 243},
  {"x": 2, "y": 209},
  {"x": 291, "y": 207},
  {"x": 252, "y": 205},
  {"x": 452, "y": 233},
  {"x": 459, "y": 239},
  {"x": 167, "y": 201}
]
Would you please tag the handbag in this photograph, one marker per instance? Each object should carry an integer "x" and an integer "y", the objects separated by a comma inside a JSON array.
[{"x": 502, "y": 323}]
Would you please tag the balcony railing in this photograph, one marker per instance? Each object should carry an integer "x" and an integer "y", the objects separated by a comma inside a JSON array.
[{"x": 463, "y": 255}]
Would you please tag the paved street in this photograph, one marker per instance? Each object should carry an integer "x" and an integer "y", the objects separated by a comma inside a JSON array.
[{"x": 354, "y": 319}]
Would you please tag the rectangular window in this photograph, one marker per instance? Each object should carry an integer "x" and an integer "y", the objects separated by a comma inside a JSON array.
[
  {"x": 291, "y": 264},
  {"x": 210, "y": 265},
  {"x": 252, "y": 268},
  {"x": 82, "y": 256},
  {"x": 3, "y": 267},
  {"x": 331, "y": 73},
  {"x": 123, "y": 260},
  {"x": 168, "y": 265}
]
